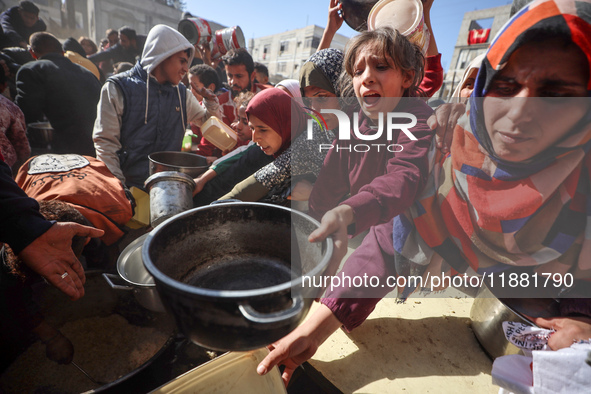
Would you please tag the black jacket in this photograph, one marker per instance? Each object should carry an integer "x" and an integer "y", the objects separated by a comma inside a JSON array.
[
  {"x": 118, "y": 54},
  {"x": 15, "y": 30},
  {"x": 67, "y": 94},
  {"x": 20, "y": 220}
]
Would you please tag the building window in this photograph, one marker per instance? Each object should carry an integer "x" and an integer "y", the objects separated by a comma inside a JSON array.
[
  {"x": 283, "y": 46},
  {"x": 312, "y": 42},
  {"x": 281, "y": 67},
  {"x": 266, "y": 49}
]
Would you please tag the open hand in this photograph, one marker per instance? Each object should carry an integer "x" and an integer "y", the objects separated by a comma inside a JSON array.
[{"x": 51, "y": 256}]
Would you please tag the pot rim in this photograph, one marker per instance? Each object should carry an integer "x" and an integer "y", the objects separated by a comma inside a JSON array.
[
  {"x": 231, "y": 294},
  {"x": 129, "y": 249},
  {"x": 151, "y": 157}
]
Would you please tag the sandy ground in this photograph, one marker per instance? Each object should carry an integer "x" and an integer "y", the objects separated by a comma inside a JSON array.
[{"x": 423, "y": 346}]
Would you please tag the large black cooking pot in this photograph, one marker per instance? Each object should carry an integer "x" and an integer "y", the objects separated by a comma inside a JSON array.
[{"x": 231, "y": 273}]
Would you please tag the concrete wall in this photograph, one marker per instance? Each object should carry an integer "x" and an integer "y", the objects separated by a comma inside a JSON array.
[
  {"x": 93, "y": 17},
  {"x": 298, "y": 45}
]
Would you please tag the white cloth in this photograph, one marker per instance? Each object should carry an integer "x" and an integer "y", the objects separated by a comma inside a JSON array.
[{"x": 562, "y": 371}]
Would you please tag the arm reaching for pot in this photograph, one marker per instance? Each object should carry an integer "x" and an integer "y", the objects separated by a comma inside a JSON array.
[{"x": 301, "y": 344}]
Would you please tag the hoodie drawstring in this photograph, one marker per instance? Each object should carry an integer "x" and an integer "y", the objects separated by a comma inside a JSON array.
[
  {"x": 181, "y": 105},
  {"x": 147, "y": 98}
]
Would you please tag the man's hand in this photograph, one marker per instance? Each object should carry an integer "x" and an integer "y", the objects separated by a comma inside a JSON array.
[
  {"x": 568, "y": 330},
  {"x": 51, "y": 256},
  {"x": 443, "y": 122}
]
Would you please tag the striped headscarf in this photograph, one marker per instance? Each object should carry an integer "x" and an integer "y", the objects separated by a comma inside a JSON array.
[{"x": 480, "y": 214}]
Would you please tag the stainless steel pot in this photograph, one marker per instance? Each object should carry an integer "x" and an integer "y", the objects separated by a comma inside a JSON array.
[
  {"x": 170, "y": 193},
  {"x": 187, "y": 163},
  {"x": 136, "y": 278},
  {"x": 489, "y": 312},
  {"x": 231, "y": 274}
]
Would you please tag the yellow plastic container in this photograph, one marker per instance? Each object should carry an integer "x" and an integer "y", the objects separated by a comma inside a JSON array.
[
  {"x": 142, "y": 209},
  {"x": 219, "y": 134}
]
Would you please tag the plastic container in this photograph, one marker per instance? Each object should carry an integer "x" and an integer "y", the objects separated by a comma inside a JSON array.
[
  {"x": 406, "y": 16},
  {"x": 231, "y": 373},
  {"x": 219, "y": 134}
]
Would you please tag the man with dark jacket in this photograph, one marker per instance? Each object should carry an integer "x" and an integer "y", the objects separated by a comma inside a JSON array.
[
  {"x": 66, "y": 93},
  {"x": 129, "y": 47},
  {"x": 18, "y": 23}
]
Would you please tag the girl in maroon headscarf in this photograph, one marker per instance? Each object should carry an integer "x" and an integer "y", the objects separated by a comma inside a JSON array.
[{"x": 276, "y": 120}]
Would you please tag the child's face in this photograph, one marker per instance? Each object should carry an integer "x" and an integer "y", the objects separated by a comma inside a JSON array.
[
  {"x": 194, "y": 80},
  {"x": 241, "y": 127},
  {"x": 264, "y": 136},
  {"x": 323, "y": 99},
  {"x": 378, "y": 84}
]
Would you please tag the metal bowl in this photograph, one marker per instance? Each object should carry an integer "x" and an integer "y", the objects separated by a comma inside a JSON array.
[
  {"x": 188, "y": 163},
  {"x": 489, "y": 312}
]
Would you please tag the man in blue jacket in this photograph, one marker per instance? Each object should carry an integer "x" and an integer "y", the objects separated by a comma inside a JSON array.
[{"x": 147, "y": 109}]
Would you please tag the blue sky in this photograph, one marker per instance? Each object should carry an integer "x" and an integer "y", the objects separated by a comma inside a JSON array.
[{"x": 264, "y": 17}]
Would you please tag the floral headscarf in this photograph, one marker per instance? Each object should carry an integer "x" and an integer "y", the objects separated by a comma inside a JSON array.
[{"x": 322, "y": 70}]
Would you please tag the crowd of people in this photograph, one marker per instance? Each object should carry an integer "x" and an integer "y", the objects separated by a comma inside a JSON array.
[{"x": 495, "y": 181}]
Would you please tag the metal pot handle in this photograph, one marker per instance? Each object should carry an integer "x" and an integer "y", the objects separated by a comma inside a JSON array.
[
  {"x": 276, "y": 317},
  {"x": 110, "y": 277}
]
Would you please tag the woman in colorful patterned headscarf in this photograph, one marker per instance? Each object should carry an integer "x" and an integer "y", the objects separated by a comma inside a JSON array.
[{"x": 514, "y": 195}]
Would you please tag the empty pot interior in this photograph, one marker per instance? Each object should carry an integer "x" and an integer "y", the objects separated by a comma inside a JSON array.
[{"x": 235, "y": 247}]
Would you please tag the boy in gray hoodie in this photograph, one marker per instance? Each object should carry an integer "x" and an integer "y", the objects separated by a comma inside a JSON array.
[{"x": 147, "y": 109}]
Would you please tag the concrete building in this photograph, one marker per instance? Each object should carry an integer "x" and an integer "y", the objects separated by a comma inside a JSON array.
[
  {"x": 75, "y": 18},
  {"x": 284, "y": 53},
  {"x": 463, "y": 52}
]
